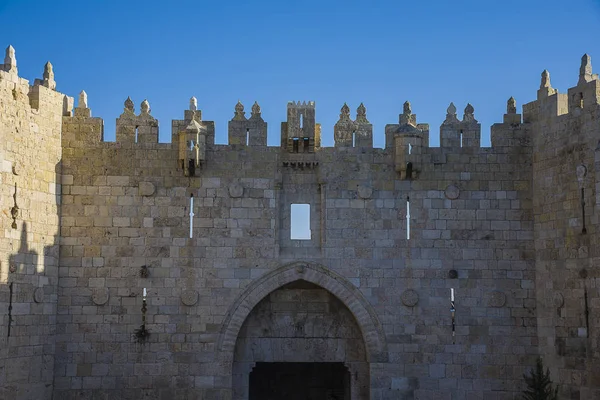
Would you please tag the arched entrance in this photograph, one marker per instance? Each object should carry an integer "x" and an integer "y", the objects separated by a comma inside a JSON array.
[{"x": 304, "y": 325}]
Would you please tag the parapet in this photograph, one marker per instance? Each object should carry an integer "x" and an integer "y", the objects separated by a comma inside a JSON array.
[
  {"x": 551, "y": 104},
  {"x": 357, "y": 133},
  {"x": 300, "y": 133},
  {"x": 457, "y": 133},
  {"x": 247, "y": 132},
  {"x": 41, "y": 96}
]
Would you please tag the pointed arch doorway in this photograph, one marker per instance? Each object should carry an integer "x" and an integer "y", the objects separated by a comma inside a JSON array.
[{"x": 301, "y": 330}]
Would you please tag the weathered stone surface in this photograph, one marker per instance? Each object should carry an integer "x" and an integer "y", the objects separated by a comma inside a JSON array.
[
  {"x": 146, "y": 188},
  {"x": 495, "y": 299}
]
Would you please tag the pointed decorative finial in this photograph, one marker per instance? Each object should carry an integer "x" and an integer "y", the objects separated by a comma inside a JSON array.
[
  {"x": 451, "y": 114},
  {"x": 451, "y": 109},
  {"x": 407, "y": 117},
  {"x": 511, "y": 106},
  {"x": 345, "y": 113},
  {"x": 239, "y": 115},
  {"x": 193, "y": 104},
  {"x": 145, "y": 107},
  {"x": 48, "y": 76},
  {"x": 469, "y": 111},
  {"x": 255, "y": 109},
  {"x": 82, "y": 100},
  {"x": 585, "y": 71},
  {"x": 48, "y": 71},
  {"x": 361, "y": 114},
  {"x": 129, "y": 104},
  {"x": 545, "y": 80},
  {"x": 10, "y": 60}
]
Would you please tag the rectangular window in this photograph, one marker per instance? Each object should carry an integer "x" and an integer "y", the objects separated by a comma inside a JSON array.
[{"x": 300, "y": 222}]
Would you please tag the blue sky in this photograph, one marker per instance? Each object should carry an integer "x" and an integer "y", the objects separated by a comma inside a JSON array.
[{"x": 381, "y": 53}]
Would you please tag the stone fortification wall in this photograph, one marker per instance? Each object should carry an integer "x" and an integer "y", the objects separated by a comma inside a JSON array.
[
  {"x": 30, "y": 154},
  {"x": 164, "y": 270},
  {"x": 126, "y": 226}
]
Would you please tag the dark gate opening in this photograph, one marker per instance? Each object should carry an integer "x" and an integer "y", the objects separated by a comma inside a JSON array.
[{"x": 299, "y": 381}]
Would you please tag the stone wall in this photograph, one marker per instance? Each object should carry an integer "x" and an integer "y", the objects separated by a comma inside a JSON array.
[
  {"x": 565, "y": 173},
  {"x": 169, "y": 252},
  {"x": 128, "y": 206},
  {"x": 30, "y": 154}
]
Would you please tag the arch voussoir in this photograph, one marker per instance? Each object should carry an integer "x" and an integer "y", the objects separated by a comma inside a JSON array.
[{"x": 346, "y": 292}]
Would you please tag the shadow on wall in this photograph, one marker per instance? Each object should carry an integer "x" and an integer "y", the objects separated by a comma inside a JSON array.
[{"x": 28, "y": 297}]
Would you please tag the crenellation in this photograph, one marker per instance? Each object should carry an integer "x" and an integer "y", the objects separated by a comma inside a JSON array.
[
  {"x": 458, "y": 134},
  {"x": 195, "y": 241},
  {"x": 247, "y": 132}
]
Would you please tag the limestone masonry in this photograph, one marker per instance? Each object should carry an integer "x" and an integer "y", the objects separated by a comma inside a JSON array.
[{"x": 144, "y": 270}]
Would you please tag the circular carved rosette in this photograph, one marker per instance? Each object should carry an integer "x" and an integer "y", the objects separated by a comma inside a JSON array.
[
  {"x": 236, "y": 190},
  {"x": 410, "y": 298},
  {"x": 364, "y": 192},
  {"x": 100, "y": 296},
  {"x": 496, "y": 299},
  {"x": 452, "y": 192},
  {"x": 189, "y": 297},
  {"x": 558, "y": 300},
  {"x": 38, "y": 295}
]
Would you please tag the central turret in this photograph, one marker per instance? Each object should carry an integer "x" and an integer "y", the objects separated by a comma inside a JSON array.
[{"x": 300, "y": 134}]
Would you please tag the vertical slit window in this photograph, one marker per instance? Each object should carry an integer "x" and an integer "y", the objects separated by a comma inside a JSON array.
[{"x": 407, "y": 218}]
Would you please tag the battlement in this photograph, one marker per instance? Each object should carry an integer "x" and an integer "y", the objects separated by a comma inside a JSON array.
[{"x": 407, "y": 140}]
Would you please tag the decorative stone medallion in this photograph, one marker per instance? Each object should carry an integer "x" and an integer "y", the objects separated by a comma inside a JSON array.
[
  {"x": 496, "y": 299},
  {"x": 236, "y": 190},
  {"x": 558, "y": 300},
  {"x": 452, "y": 192},
  {"x": 146, "y": 188},
  {"x": 13, "y": 267},
  {"x": 100, "y": 296},
  {"x": 38, "y": 295},
  {"x": 189, "y": 297},
  {"x": 410, "y": 298},
  {"x": 364, "y": 192}
]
